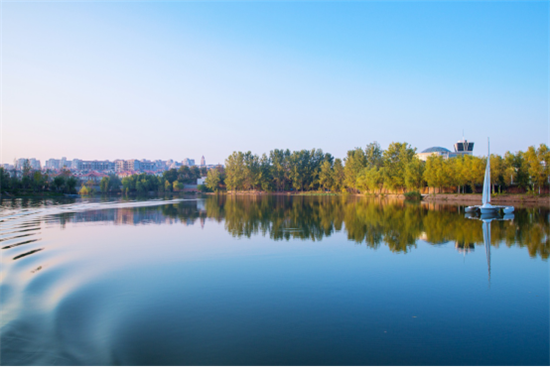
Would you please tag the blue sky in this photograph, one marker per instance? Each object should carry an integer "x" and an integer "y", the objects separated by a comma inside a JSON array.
[{"x": 109, "y": 80}]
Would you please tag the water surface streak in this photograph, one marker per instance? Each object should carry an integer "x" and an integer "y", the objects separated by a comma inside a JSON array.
[{"x": 271, "y": 280}]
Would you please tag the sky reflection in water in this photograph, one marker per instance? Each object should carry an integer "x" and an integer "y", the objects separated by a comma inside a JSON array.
[{"x": 271, "y": 280}]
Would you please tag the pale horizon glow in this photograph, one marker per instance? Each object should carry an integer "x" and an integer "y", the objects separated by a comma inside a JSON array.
[{"x": 175, "y": 80}]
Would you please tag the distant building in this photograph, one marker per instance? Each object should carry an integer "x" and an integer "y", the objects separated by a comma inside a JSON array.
[
  {"x": 65, "y": 163},
  {"x": 188, "y": 162},
  {"x": 33, "y": 163},
  {"x": 203, "y": 162},
  {"x": 52, "y": 163},
  {"x": 464, "y": 247},
  {"x": 146, "y": 165},
  {"x": 462, "y": 147},
  {"x": 76, "y": 164},
  {"x": 444, "y": 152},
  {"x": 129, "y": 165},
  {"x": 96, "y": 165}
]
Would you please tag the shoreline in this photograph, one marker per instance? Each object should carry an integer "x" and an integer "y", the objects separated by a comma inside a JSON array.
[
  {"x": 456, "y": 199},
  {"x": 475, "y": 199},
  {"x": 461, "y": 199}
]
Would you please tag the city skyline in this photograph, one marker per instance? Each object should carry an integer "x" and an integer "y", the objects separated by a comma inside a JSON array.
[{"x": 121, "y": 80}]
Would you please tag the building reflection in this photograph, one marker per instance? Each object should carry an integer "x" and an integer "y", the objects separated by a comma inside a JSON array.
[{"x": 465, "y": 248}]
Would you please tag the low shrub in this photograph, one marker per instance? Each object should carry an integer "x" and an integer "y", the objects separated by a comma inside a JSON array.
[{"x": 413, "y": 196}]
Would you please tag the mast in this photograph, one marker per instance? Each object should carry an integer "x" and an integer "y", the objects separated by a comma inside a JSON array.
[
  {"x": 488, "y": 171},
  {"x": 486, "y": 195}
]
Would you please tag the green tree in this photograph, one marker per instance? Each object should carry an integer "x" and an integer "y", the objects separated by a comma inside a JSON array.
[
  {"x": 59, "y": 183},
  {"x": 338, "y": 176},
  {"x": 104, "y": 185},
  {"x": 497, "y": 171},
  {"x": 251, "y": 171},
  {"x": 325, "y": 176},
  {"x": 167, "y": 185},
  {"x": 178, "y": 186},
  {"x": 265, "y": 174},
  {"x": 234, "y": 171},
  {"x": 414, "y": 171},
  {"x": 280, "y": 161},
  {"x": 71, "y": 185},
  {"x": 213, "y": 179},
  {"x": 373, "y": 155},
  {"x": 536, "y": 165},
  {"x": 355, "y": 162},
  {"x": 396, "y": 158}
]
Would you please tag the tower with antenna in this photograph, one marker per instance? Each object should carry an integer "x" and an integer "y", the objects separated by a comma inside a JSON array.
[{"x": 464, "y": 146}]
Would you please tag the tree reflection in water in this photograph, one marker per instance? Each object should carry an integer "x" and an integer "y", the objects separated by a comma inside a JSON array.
[{"x": 373, "y": 222}]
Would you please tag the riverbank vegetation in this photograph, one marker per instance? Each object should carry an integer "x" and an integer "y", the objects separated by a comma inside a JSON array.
[
  {"x": 376, "y": 171},
  {"x": 370, "y": 171},
  {"x": 32, "y": 182}
]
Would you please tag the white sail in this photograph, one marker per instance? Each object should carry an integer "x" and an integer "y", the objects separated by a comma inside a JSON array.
[
  {"x": 486, "y": 207},
  {"x": 486, "y": 196}
]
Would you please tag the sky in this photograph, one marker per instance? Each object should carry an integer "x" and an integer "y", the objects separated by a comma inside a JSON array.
[{"x": 181, "y": 79}]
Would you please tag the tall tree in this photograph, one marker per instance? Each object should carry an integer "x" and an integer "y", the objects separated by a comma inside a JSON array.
[
  {"x": 325, "y": 175},
  {"x": 251, "y": 171},
  {"x": 265, "y": 173},
  {"x": 213, "y": 179},
  {"x": 279, "y": 159},
  {"x": 338, "y": 175},
  {"x": 373, "y": 155},
  {"x": 355, "y": 162},
  {"x": 234, "y": 171},
  {"x": 396, "y": 159}
]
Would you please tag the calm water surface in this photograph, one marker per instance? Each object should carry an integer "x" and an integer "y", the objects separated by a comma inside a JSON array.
[{"x": 271, "y": 280}]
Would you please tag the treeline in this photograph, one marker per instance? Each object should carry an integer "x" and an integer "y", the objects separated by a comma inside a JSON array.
[
  {"x": 373, "y": 170},
  {"x": 33, "y": 181},
  {"x": 170, "y": 181},
  {"x": 36, "y": 182}
]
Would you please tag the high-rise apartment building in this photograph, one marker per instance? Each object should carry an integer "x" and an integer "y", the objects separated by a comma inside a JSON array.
[
  {"x": 52, "y": 164},
  {"x": 203, "y": 162},
  {"x": 127, "y": 165},
  {"x": 33, "y": 163},
  {"x": 97, "y": 165},
  {"x": 188, "y": 162}
]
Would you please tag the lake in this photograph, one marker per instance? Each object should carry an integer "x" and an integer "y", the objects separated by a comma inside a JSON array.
[{"x": 271, "y": 280}]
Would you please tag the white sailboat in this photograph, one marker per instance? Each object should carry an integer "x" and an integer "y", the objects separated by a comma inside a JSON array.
[{"x": 486, "y": 207}]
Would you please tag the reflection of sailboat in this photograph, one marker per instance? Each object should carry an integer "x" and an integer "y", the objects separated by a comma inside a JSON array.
[
  {"x": 486, "y": 219},
  {"x": 487, "y": 242},
  {"x": 486, "y": 207}
]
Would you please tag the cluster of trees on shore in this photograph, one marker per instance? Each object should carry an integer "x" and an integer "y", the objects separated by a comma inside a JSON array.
[
  {"x": 171, "y": 180},
  {"x": 36, "y": 182},
  {"x": 373, "y": 170}
]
